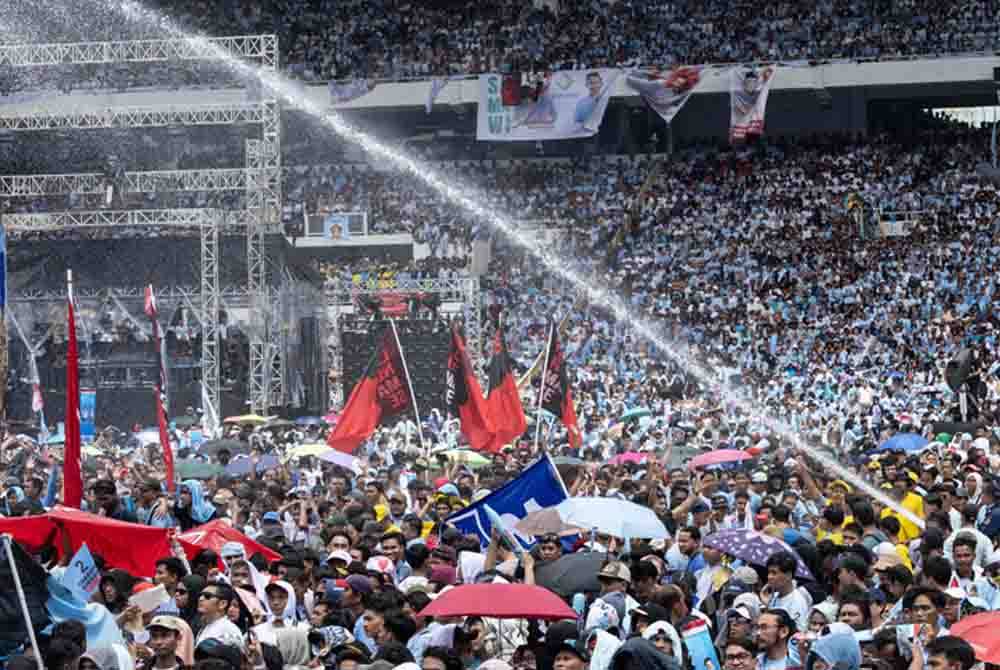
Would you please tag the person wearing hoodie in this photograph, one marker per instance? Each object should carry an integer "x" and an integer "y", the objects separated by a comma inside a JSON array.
[
  {"x": 666, "y": 639},
  {"x": 837, "y": 650},
  {"x": 116, "y": 587},
  {"x": 641, "y": 654},
  {"x": 602, "y": 646},
  {"x": 281, "y": 599},
  {"x": 192, "y": 509}
]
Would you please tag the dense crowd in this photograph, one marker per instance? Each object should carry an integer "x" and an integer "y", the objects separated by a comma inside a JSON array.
[
  {"x": 767, "y": 268},
  {"x": 394, "y": 40}
]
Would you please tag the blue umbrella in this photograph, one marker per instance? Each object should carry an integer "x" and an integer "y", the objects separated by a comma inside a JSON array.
[
  {"x": 241, "y": 466},
  {"x": 908, "y": 442}
]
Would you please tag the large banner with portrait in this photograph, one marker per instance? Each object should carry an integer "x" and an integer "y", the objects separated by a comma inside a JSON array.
[
  {"x": 748, "y": 89},
  {"x": 665, "y": 92},
  {"x": 564, "y": 105}
]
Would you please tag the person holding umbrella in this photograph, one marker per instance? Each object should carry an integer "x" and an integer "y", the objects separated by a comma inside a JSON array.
[{"x": 781, "y": 592}]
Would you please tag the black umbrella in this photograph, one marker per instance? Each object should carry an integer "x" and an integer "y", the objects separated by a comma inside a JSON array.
[
  {"x": 573, "y": 573},
  {"x": 213, "y": 447}
]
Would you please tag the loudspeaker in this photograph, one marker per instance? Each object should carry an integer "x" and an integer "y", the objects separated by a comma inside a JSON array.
[{"x": 958, "y": 369}]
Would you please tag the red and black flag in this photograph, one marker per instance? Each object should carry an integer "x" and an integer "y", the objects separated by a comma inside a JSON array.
[
  {"x": 555, "y": 395},
  {"x": 160, "y": 386},
  {"x": 464, "y": 397},
  {"x": 381, "y": 393},
  {"x": 503, "y": 402}
]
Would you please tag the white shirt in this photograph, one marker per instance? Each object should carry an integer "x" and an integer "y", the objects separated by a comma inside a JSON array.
[
  {"x": 223, "y": 630},
  {"x": 795, "y": 604}
]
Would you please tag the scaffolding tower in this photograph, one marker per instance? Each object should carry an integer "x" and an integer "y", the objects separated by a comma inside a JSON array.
[
  {"x": 261, "y": 180},
  {"x": 207, "y": 222}
]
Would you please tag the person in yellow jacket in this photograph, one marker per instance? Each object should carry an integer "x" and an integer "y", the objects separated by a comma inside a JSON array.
[{"x": 910, "y": 501}]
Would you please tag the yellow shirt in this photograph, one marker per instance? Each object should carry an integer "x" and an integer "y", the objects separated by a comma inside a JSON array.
[{"x": 913, "y": 504}]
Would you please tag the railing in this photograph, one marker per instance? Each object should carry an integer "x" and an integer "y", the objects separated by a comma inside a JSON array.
[{"x": 804, "y": 62}]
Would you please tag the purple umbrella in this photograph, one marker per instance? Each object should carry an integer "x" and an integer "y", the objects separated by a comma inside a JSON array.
[{"x": 754, "y": 547}]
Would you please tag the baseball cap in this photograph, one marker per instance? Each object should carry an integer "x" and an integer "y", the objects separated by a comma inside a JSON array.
[
  {"x": 956, "y": 593},
  {"x": 759, "y": 477},
  {"x": 615, "y": 570},
  {"x": 166, "y": 623},
  {"x": 339, "y": 555},
  {"x": 359, "y": 583},
  {"x": 699, "y": 507},
  {"x": 382, "y": 564},
  {"x": 740, "y": 611},
  {"x": 270, "y": 517}
]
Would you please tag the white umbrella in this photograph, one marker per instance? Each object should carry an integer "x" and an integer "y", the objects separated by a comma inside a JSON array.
[{"x": 612, "y": 516}]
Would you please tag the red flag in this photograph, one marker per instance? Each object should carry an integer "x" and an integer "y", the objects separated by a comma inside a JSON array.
[
  {"x": 556, "y": 395},
  {"x": 160, "y": 388},
  {"x": 503, "y": 401},
  {"x": 381, "y": 393},
  {"x": 72, "y": 477},
  {"x": 464, "y": 398}
]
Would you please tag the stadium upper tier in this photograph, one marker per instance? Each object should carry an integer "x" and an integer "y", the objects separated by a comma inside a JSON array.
[
  {"x": 378, "y": 39},
  {"x": 331, "y": 39}
]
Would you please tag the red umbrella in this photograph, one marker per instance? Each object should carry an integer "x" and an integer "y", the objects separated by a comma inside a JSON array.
[
  {"x": 500, "y": 601},
  {"x": 214, "y": 534},
  {"x": 979, "y": 630},
  {"x": 718, "y": 458}
]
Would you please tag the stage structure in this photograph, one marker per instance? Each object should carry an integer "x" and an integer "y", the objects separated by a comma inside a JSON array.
[
  {"x": 206, "y": 220},
  {"x": 260, "y": 180},
  {"x": 458, "y": 297}
]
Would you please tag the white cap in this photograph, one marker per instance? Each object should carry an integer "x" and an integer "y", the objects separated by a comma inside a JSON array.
[
  {"x": 339, "y": 555},
  {"x": 956, "y": 593}
]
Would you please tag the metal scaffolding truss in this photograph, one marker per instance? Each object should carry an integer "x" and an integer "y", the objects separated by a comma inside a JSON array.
[
  {"x": 263, "y": 187},
  {"x": 154, "y": 116},
  {"x": 207, "y": 220},
  {"x": 186, "y": 218},
  {"x": 262, "y": 49},
  {"x": 181, "y": 219},
  {"x": 230, "y": 296},
  {"x": 340, "y": 295},
  {"x": 157, "y": 181},
  {"x": 261, "y": 180}
]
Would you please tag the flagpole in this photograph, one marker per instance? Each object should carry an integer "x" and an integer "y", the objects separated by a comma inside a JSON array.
[
  {"x": 24, "y": 604},
  {"x": 406, "y": 371},
  {"x": 541, "y": 389}
]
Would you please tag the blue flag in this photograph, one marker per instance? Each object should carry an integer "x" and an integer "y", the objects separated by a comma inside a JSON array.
[{"x": 539, "y": 486}]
